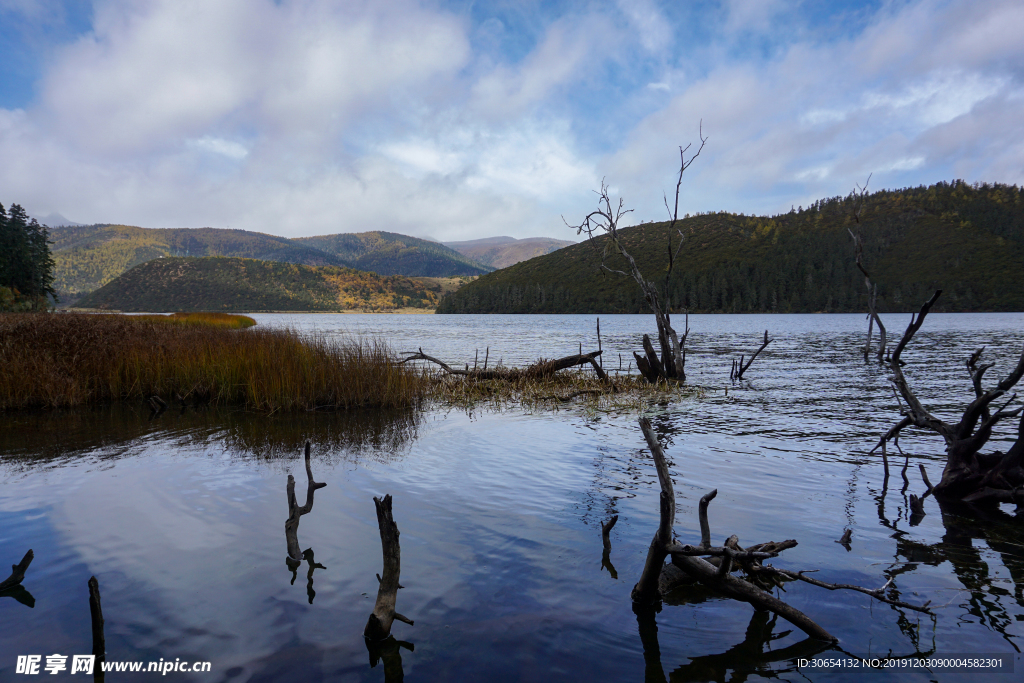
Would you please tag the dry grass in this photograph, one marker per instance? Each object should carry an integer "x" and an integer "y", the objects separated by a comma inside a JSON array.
[{"x": 64, "y": 360}]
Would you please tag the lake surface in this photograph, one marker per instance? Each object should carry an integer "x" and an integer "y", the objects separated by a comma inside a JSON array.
[{"x": 181, "y": 518}]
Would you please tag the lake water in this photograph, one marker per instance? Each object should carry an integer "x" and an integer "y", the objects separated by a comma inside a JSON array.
[{"x": 181, "y": 517}]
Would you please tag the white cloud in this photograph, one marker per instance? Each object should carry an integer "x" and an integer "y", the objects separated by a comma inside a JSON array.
[{"x": 307, "y": 116}]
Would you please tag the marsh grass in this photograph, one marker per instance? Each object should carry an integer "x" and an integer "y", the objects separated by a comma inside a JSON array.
[
  {"x": 576, "y": 389},
  {"x": 230, "y": 321},
  {"x": 71, "y": 359}
]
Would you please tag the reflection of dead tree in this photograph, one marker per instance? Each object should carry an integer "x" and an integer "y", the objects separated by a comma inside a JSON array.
[
  {"x": 389, "y": 651},
  {"x": 968, "y": 475},
  {"x": 738, "y": 368},
  {"x": 605, "y": 221},
  {"x": 295, "y": 512},
  {"x": 689, "y": 564},
  {"x": 539, "y": 370},
  {"x": 860, "y": 195},
  {"x": 751, "y": 656},
  {"x": 606, "y": 556},
  {"x": 378, "y": 626}
]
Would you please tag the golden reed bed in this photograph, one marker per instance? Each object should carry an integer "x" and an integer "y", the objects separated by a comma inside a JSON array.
[{"x": 72, "y": 359}]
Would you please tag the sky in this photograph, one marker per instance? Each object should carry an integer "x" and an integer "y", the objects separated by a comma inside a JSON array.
[{"x": 462, "y": 120}]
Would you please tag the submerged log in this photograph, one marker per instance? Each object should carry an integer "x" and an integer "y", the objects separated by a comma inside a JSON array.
[
  {"x": 739, "y": 368},
  {"x": 717, "y": 576},
  {"x": 17, "y": 572},
  {"x": 378, "y": 626}
]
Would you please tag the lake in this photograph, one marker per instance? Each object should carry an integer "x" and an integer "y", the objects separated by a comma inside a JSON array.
[{"x": 181, "y": 517}]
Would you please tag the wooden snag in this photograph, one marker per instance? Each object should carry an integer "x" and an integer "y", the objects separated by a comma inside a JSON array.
[
  {"x": 378, "y": 626},
  {"x": 99, "y": 642},
  {"x": 17, "y": 572},
  {"x": 295, "y": 512}
]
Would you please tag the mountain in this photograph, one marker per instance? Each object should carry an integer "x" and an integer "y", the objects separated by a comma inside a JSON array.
[
  {"x": 965, "y": 239},
  {"x": 502, "y": 252},
  {"x": 389, "y": 253},
  {"x": 239, "y": 284},
  {"x": 89, "y": 256},
  {"x": 54, "y": 220}
]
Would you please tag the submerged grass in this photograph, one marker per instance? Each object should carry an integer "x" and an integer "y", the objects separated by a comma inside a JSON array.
[
  {"x": 70, "y": 359},
  {"x": 579, "y": 388}
]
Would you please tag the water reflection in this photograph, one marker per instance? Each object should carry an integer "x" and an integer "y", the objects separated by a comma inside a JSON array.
[
  {"x": 390, "y": 652},
  {"x": 753, "y": 656},
  {"x": 29, "y": 439},
  {"x": 291, "y": 528}
]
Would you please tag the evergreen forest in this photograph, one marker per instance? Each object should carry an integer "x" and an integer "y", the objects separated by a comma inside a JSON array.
[
  {"x": 965, "y": 239},
  {"x": 26, "y": 266}
]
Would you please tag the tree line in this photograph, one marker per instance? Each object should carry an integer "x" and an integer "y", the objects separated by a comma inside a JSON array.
[
  {"x": 26, "y": 266},
  {"x": 965, "y": 239}
]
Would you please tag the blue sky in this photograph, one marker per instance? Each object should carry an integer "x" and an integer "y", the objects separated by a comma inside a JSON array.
[{"x": 462, "y": 119}]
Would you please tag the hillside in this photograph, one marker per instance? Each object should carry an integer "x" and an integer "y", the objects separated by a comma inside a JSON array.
[
  {"x": 237, "y": 284},
  {"x": 502, "y": 252},
  {"x": 389, "y": 253},
  {"x": 89, "y": 256},
  {"x": 967, "y": 240}
]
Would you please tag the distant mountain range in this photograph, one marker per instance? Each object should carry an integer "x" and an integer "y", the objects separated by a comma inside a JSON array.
[
  {"x": 241, "y": 284},
  {"x": 89, "y": 256},
  {"x": 967, "y": 240},
  {"x": 502, "y": 252}
]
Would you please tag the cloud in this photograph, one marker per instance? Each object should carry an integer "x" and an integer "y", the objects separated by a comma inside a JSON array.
[{"x": 297, "y": 117}]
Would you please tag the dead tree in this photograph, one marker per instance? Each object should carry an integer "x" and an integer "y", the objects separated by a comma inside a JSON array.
[
  {"x": 716, "y": 572},
  {"x": 968, "y": 475},
  {"x": 860, "y": 195},
  {"x": 605, "y": 221},
  {"x": 378, "y": 626},
  {"x": 295, "y": 512},
  {"x": 738, "y": 368}
]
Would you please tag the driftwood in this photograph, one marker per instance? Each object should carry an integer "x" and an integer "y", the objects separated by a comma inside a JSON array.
[
  {"x": 99, "y": 642},
  {"x": 968, "y": 474},
  {"x": 378, "y": 626},
  {"x": 540, "y": 369},
  {"x": 738, "y": 368},
  {"x": 17, "y": 572},
  {"x": 688, "y": 562},
  {"x": 295, "y": 512}
]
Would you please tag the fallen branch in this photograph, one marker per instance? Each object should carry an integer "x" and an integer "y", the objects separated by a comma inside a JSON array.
[{"x": 543, "y": 368}]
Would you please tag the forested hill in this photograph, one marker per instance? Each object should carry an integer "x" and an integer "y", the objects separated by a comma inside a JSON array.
[
  {"x": 87, "y": 257},
  {"x": 237, "y": 284},
  {"x": 967, "y": 240},
  {"x": 394, "y": 254}
]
